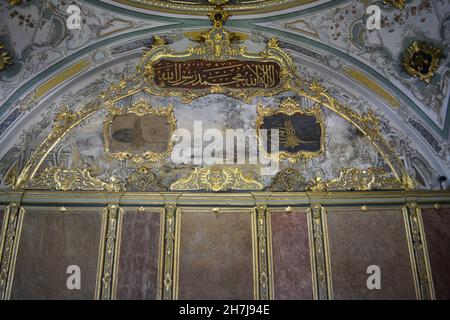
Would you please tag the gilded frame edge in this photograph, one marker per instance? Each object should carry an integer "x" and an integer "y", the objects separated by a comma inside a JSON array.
[
  {"x": 139, "y": 108},
  {"x": 290, "y": 107}
]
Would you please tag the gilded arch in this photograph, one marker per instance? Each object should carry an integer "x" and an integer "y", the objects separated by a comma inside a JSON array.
[{"x": 217, "y": 44}]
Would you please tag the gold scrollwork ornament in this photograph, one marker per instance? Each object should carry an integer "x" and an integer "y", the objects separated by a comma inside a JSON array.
[
  {"x": 421, "y": 60},
  {"x": 5, "y": 58},
  {"x": 216, "y": 179},
  {"x": 399, "y": 4}
]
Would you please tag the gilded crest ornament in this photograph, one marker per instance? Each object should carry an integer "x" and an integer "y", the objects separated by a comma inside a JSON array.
[
  {"x": 421, "y": 60},
  {"x": 145, "y": 180},
  {"x": 216, "y": 179},
  {"x": 13, "y": 3},
  {"x": 139, "y": 133},
  {"x": 5, "y": 58},
  {"x": 399, "y": 4},
  {"x": 301, "y": 131},
  {"x": 288, "y": 180}
]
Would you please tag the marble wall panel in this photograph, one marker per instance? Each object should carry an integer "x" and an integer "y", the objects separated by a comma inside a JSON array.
[
  {"x": 50, "y": 242},
  {"x": 215, "y": 255},
  {"x": 138, "y": 257},
  {"x": 359, "y": 239},
  {"x": 291, "y": 256},
  {"x": 437, "y": 232}
]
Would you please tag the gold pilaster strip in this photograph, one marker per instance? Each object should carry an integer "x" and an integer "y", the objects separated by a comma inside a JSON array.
[
  {"x": 418, "y": 251},
  {"x": 264, "y": 273},
  {"x": 108, "y": 261},
  {"x": 12, "y": 225},
  {"x": 320, "y": 257},
  {"x": 169, "y": 254}
]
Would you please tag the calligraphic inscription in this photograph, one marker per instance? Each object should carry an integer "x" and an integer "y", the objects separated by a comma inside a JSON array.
[
  {"x": 297, "y": 132},
  {"x": 203, "y": 74},
  {"x": 138, "y": 134}
]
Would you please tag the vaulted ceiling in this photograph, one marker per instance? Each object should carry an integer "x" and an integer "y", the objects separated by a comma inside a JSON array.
[{"x": 327, "y": 39}]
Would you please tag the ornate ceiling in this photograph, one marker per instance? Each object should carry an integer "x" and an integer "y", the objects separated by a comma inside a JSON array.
[
  {"x": 202, "y": 7},
  {"x": 46, "y": 64}
]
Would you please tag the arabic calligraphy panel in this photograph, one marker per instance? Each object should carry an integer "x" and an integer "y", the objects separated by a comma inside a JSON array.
[{"x": 203, "y": 74}]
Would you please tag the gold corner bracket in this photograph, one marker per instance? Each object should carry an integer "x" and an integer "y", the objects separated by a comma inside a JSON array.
[
  {"x": 320, "y": 255},
  {"x": 10, "y": 236},
  {"x": 418, "y": 251},
  {"x": 109, "y": 252}
]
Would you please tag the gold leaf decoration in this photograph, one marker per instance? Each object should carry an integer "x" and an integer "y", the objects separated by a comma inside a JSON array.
[
  {"x": 421, "y": 60},
  {"x": 352, "y": 179},
  {"x": 144, "y": 180},
  {"x": 216, "y": 179},
  {"x": 399, "y": 4},
  {"x": 55, "y": 178},
  {"x": 288, "y": 180},
  {"x": 5, "y": 58}
]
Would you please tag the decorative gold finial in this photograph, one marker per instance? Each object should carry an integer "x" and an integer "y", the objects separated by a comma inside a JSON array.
[
  {"x": 288, "y": 209},
  {"x": 218, "y": 17},
  {"x": 218, "y": 2}
]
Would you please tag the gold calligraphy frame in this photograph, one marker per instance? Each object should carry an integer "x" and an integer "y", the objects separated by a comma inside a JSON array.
[
  {"x": 290, "y": 107},
  {"x": 215, "y": 49},
  {"x": 140, "y": 108}
]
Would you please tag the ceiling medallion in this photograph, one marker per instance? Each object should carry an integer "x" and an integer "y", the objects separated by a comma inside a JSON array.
[
  {"x": 399, "y": 4},
  {"x": 200, "y": 7},
  {"x": 421, "y": 60}
]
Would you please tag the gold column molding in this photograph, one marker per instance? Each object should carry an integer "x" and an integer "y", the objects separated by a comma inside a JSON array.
[
  {"x": 264, "y": 274},
  {"x": 10, "y": 235},
  {"x": 109, "y": 252},
  {"x": 418, "y": 251},
  {"x": 168, "y": 277},
  {"x": 320, "y": 255}
]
